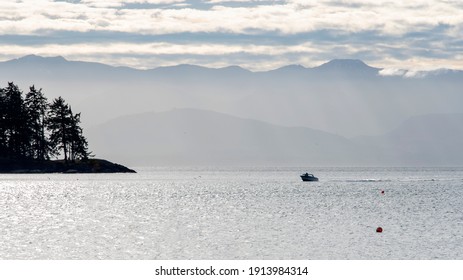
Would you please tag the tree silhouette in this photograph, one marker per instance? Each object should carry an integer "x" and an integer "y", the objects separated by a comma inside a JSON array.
[
  {"x": 78, "y": 142},
  {"x": 3, "y": 139},
  {"x": 36, "y": 107},
  {"x": 65, "y": 132},
  {"x": 59, "y": 122},
  {"x": 31, "y": 128},
  {"x": 15, "y": 134}
]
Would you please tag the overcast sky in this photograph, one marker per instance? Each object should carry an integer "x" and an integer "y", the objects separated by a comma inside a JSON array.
[{"x": 255, "y": 34}]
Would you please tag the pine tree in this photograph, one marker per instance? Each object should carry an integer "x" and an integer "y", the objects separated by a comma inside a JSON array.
[
  {"x": 26, "y": 122},
  {"x": 79, "y": 144},
  {"x": 16, "y": 136},
  {"x": 59, "y": 124},
  {"x": 65, "y": 132},
  {"x": 36, "y": 106},
  {"x": 3, "y": 147}
]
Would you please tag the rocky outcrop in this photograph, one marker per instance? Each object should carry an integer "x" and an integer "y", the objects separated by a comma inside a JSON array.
[{"x": 59, "y": 166}]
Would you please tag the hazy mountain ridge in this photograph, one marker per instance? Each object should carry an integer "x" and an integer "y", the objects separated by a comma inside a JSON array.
[
  {"x": 344, "y": 66},
  {"x": 343, "y": 97},
  {"x": 206, "y": 137},
  {"x": 191, "y": 136},
  {"x": 427, "y": 139}
]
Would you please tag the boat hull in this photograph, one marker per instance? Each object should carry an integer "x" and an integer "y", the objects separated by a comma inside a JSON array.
[{"x": 309, "y": 179}]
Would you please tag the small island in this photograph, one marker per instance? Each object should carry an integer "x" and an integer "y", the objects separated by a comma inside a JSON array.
[
  {"x": 35, "y": 133},
  {"x": 60, "y": 166}
]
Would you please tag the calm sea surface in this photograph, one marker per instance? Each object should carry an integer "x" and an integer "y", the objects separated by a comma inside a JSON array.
[{"x": 214, "y": 213}]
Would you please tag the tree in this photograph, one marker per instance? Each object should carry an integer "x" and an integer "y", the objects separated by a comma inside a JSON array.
[
  {"x": 78, "y": 142},
  {"x": 14, "y": 122},
  {"x": 65, "y": 132},
  {"x": 36, "y": 106},
  {"x": 26, "y": 122},
  {"x": 3, "y": 147},
  {"x": 59, "y": 122}
]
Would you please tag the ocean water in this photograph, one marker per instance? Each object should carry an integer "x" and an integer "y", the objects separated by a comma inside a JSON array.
[{"x": 234, "y": 213}]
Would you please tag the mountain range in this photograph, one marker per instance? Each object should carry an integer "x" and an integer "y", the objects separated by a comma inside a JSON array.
[
  {"x": 341, "y": 112},
  {"x": 192, "y": 136},
  {"x": 433, "y": 139}
]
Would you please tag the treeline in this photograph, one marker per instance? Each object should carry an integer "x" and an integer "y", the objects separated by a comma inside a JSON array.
[{"x": 33, "y": 128}]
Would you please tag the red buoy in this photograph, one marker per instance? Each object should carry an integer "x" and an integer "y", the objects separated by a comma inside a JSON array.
[
  {"x": 379, "y": 229},
  {"x": 382, "y": 192}
]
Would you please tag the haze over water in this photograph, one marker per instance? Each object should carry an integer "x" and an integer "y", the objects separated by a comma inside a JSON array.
[{"x": 234, "y": 213}]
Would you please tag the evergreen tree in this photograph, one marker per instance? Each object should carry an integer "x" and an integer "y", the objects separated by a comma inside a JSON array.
[
  {"x": 59, "y": 122},
  {"x": 65, "y": 131},
  {"x": 36, "y": 106},
  {"x": 26, "y": 122},
  {"x": 15, "y": 134},
  {"x": 78, "y": 142},
  {"x": 3, "y": 148}
]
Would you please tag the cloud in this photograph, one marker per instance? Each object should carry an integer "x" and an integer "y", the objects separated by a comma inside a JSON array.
[
  {"x": 121, "y": 3},
  {"x": 373, "y": 30},
  {"x": 392, "y": 72},
  {"x": 293, "y": 16}
]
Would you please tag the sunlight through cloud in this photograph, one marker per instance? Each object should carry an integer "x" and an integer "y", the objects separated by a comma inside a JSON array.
[{"x": 364, "y": 29}]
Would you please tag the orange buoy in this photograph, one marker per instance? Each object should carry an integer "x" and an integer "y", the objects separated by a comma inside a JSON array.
[{"x": 379, "y": 229}]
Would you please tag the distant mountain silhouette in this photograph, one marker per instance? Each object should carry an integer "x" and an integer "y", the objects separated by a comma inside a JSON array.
[
  {"x": 422, "y": 140},
  {"x": 191, "y": 136},
  {"x": 37, "y": 59},
  {"x": 347, "y": 67},
  {"x": 343, "y": 96}
]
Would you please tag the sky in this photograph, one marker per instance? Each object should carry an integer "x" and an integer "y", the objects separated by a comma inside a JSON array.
[{"x": 255, "y": 34}]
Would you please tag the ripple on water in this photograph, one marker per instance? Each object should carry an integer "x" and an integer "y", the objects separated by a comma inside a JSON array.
[{"x": 233, "y": 214}]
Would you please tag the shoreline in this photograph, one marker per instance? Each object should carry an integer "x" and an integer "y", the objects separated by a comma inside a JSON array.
[{"x": 25, "y": 166}]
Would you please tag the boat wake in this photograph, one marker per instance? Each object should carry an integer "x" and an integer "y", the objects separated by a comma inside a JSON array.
[{"x": 369, "y": 181}]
